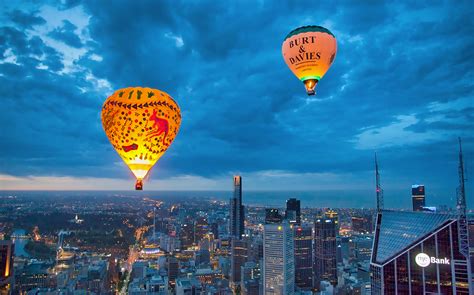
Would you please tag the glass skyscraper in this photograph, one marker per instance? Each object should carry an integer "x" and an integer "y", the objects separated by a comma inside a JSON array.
[
  {"x": 418, "y": 197},
  {"x": 303, "y": 257},
  {"x": 293, "y": 211},
  {"x": 418, "y": 253},
  {"x": 237, "y": 215},
  {"x": 278, "y": 259},
  {"x": 325, "y": 265}
]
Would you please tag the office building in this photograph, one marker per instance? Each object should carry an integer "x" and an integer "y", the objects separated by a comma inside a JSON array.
[
  {"x": 237, "y": 214},
  {"x": 278, "y": 259},
  {"x": 419, "y": 253},
  {"x": 325, "y": 265},
  {"x": 293, "y": 211},
  {"x": 303, "y": 257},
  {"x": 201, "y": 228},
  {"x": 362, "y": 224},
  {"x": 173, "y": 269},
  {"x": 6, "y": 266},
  {"x": 272, "y": 216},
  {"x": 250, "y": 278},
  {"x": 188, "y": 286},
  {"x": 187, "y": 235},
  {"x": 239, "y": 255},
  {"x": 418, "y": 197}
]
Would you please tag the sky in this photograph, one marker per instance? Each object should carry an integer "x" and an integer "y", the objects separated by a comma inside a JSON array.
[{"x": 402, "y": 85}]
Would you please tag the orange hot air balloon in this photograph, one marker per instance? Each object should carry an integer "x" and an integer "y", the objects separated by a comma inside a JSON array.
[
  {"x": 309, "y": 52},
  {"x": 141, "y": 123}
]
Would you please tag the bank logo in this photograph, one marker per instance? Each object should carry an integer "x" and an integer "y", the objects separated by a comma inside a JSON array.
[{"x": 424, "y": 260}]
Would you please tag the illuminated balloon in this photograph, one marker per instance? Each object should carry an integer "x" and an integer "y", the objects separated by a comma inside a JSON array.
[
  {"x": 141, "y": 123},
  {"x": 309, "y": 52}
]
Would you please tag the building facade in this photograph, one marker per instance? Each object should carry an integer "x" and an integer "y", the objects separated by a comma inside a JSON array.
[
  {"x": 239, "y": 255},
  {"x": 237, "y": 214},
  {"x": 303, "y": 257},
  {"x": 325, "y": 264},
  {"x": 6, "y": 266},
  {"x": 418, "y": 197},
  {"x": 293, "y": 211},
  {"x": 418, "y": 253},
  {"x": 278, "y": 259}
]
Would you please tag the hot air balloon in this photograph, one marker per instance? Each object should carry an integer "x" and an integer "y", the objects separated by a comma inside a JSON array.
[
  {"x": 309, "y": 51},
  {"x": 141, "y": 123}
]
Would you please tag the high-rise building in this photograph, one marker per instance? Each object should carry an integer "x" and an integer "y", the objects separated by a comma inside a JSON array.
[
  {"x": 362, "y": 224},
  {"x": 419, "y": 253},
  {"x": 6, "y": 266},
  {"x": 293, "y": 211},
  {"x": 418, "y": 197},
  {"x": 201, "y": 228},
  {"x": 185, "y": 286},
  {"x": 303, "y": 257},
  {"x": 239, "y": 254},
  {"x": 173, "y": 269},
  {"x": 272, "y": 216},
  {"x": 325, "y": 265},
  {"x": 237, "y": 214},
  {"x": 249, "y": 279},
  {"x": 187, "y": 235},
  {"x": 278, "y": 259}
]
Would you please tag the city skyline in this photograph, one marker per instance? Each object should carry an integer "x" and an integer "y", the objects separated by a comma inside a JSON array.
[{"x": 384, "y": 96}]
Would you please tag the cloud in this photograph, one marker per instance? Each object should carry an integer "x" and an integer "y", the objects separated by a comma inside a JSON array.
[
  {"x": 401, "y": 84},
  {"x": 26, "y": 20},
  {"x": 66, "y": 34}
]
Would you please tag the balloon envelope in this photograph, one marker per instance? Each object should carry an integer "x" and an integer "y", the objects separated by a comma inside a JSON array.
[
  {"x": 141, "y": 123},
  {"x": 309, "y": 52}
]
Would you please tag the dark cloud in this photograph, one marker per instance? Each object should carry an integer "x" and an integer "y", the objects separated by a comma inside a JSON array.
[
  {"x": 66, "y": 34},
  {"x": 243, "y": 110},
  {"x": 26, "y": 20}
]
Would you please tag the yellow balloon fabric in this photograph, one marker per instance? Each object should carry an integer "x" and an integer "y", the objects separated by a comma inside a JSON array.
[{"x": 141, "y": 123}]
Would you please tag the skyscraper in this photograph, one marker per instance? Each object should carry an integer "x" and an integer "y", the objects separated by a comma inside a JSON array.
[
  {"x": 201, "y": 228},
  {"x": 419, "y": 253},
  {"x": 325, "y": 266},
  {"x": 278, "y": 259},
  {"x": 418, "y": 197},
  {"x": 250, "y": 278},
  {"x": 187, "y": 234},
  {"x": 303, "y": 257},
  {"x": 237, "y": 214},
  {"x": 272, "y": 216},
  {"x": 6, "y": 266},
  {"x": 239, "y": 254},
  {"x": 293, "y": 211}
]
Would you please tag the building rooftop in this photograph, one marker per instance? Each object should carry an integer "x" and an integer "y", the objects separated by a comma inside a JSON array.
[{"x": 399, "y": 230}]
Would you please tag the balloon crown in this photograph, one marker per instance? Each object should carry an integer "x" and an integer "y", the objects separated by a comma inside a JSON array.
[{"x": 312, "y": 28}]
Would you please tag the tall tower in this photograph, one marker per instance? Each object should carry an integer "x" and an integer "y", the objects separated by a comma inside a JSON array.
[
  {"x": 278, "y": 259},
  {"x": 325, "y": 265},
  {"x": 237, "y": 214},
  {"x": 378, "y": 188},
  {"x": 461, "y": 207},
  {"x": 303, "y": 257},
  {"x": 293, "y": 211},
  {"x": 7, "y": 278},
  {"x": 418, "y": 197}
]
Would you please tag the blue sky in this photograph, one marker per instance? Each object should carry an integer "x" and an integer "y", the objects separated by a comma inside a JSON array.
[{"x": 401, "y": 85}]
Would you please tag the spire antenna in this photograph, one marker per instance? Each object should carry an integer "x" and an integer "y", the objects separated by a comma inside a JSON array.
[
  {"x": 461, "y": 207},
  {"x": 378, "y": 187}
]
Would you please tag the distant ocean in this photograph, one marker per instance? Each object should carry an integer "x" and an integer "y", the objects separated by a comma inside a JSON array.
[{"x": 332, "y": 199}]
